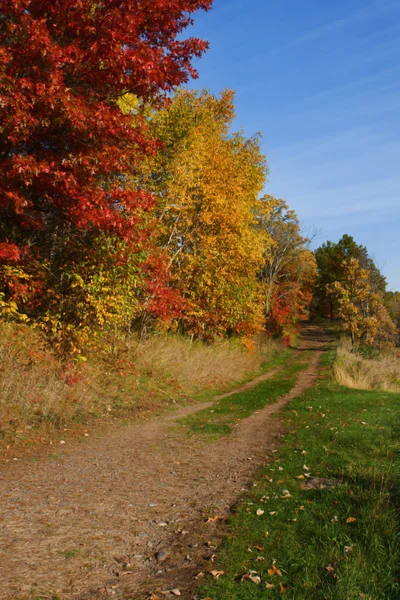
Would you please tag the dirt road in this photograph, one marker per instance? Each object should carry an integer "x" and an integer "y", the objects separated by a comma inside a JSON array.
[{"x": 124, "y": 515}]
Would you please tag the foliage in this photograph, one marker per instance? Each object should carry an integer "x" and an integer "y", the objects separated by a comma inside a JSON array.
[
  {"x": 330, "y": 258},
  {"x": 39, "y": 393},
  {"x": 289, "y": 268},
  {"x": 207, "y": 183},
  {"x": 360, "y": 307},
  {"x": 65, "y": 145},
  {"x": 392, "y": 302}
]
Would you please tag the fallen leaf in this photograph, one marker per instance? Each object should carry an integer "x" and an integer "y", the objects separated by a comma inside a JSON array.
[
  {"x": 300, "y": 477},
  {"x": 215, "y": 519},
  {"x": 283, "y": 588},
  {"x": 330, "y": 568},
  {"x": 273, "y": 512},
  {"x": 217, "y": 573},
  {"x": 176, "y": 592},
  {"x": 259, "y": 548},
  {"x": 274, "y": 571},
  {"x": 306, "y": 468},
  {"x": 259, "y": 512},
  {"x": 351, "y": 520},
  {"x": 270, "y": 586}
]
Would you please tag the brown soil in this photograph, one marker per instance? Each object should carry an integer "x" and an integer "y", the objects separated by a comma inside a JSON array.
[{"x": 123, "y": 514}]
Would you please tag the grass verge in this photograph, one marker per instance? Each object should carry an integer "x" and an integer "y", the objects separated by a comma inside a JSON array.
[
  {"x": 41, "y": 395},
  {"x": 218, "y": 419},
  {"x": 338, "y": 539}
]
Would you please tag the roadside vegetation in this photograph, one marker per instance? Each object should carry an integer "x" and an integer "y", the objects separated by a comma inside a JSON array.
[
  {"x": 367, "y": 369},
  {"x": 321, "y": 520},
  {"x": 41, "y": 394}
]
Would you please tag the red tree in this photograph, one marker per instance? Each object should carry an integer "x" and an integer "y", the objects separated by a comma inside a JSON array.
[{"x": 64, "y": 143}]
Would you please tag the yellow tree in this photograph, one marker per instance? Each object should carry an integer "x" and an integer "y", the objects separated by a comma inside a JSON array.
[
  {"x": 361, "y": 308},
  {"x": 207, "y": 182},
  {"x": 289, "y": 269}
]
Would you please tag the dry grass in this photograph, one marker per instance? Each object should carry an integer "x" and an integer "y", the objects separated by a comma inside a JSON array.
[
  {"x": 354, "y": 371},
  {"x": 37, "y": 391}
]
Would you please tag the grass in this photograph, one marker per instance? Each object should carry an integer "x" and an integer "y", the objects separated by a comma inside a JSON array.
[
  {"x": 339, "y": 542},
  {"x": 355, "y": 371},
  {"x": 40, "y": 395},
  {"x": 218, "y": 419}
]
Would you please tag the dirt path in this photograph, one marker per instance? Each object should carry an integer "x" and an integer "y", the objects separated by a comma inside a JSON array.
[{"x": 124, "y": 515}]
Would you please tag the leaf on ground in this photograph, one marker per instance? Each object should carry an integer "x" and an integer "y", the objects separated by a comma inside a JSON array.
[
  {"x": 330, "y": 568},
  {"x": 215, "y": 519},
  {"x": 176, "y": 592},
  {"x": 217, "y": 573},
  {"x": 283, "y": 589},
  {"x": 351, "y": 520},
  {"x": 260, "y": 512},
  {"x": 270, "y": 586},
  {"x": 254, "y": 578},
  {"x": 274, "y": 571}
]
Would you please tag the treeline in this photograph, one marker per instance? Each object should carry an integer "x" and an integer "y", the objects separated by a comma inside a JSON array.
[
  {"x": 351, "y": 288},
  {"x": 128, "y": 204},
  {"x": 124, "y": 207}
]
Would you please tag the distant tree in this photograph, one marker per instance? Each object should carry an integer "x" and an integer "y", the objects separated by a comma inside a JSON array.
[
  {"x": 289, "y": 270},
  {"x": 360, "y": 307},
  {"x": 392, "y": 301},
  {"x": 330, "y": 259}
]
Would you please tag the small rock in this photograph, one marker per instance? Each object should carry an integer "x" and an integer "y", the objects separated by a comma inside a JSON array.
[{"x": 160, "y": 556}]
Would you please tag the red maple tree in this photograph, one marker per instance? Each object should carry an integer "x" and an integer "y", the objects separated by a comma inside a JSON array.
[{"x": 64, "y": 144}]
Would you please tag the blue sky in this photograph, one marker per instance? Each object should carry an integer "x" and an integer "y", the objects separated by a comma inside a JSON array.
[{"x": 321, "y": 82}]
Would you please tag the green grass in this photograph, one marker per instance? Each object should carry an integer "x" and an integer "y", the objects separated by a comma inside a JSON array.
[
  {"x": 218, "y": 419},
  {"x": 337, "y": 433}
]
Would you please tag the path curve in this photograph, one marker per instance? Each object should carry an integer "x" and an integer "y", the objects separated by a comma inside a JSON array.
[{"x": 122, "y": 515}]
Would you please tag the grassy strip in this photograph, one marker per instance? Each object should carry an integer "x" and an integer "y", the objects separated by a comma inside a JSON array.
[
  {"x": 217, "y": 420},
  {"x": 331, "y": 543}
]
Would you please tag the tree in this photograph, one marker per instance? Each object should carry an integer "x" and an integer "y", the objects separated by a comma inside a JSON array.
[
  {"x": 289, "y": 269},
  {"x": 330, "y": 259},
  {"x": 65, "y": 145},
  {"x": 361, "y": 308},
  {"x": 207, "y": 182}
]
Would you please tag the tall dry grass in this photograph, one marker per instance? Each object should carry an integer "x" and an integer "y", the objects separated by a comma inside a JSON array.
[
  {"x": 37, "y": 389},
  {"x": 354, "y": 371}
]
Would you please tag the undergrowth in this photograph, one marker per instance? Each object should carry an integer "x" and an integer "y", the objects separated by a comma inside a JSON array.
[
  {"x": 380, "y": 372},
  {"x": 38, "y": 392}
]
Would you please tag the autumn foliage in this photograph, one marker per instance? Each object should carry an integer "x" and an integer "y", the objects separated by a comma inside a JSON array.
[
  {"x": 65, "y": 146},
  {"x": 126, "y": 202}
]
